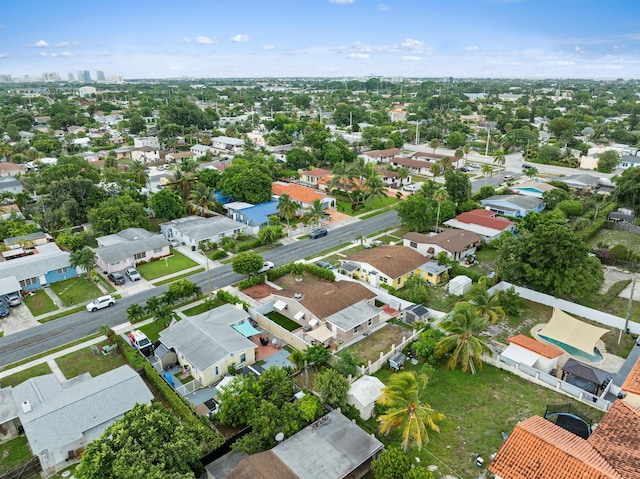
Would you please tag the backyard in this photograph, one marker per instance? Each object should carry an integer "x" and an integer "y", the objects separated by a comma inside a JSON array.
[
  {"x": 75, "y": 290},
  {"x": 13, "y": 453},
  {"x": 377, "y": 203},
  {"x": 380, "y": 341},
  {"x": 164, "y": 266},
  {"x": 40, "y": 303},
  {"x": 612, "y": 237},
  {"x": 283, "y": 321}
]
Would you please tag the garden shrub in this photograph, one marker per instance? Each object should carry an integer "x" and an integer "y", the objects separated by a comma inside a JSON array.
[
  {"x": 253, "y": 281},
  {"x": 218, "y": 254}
]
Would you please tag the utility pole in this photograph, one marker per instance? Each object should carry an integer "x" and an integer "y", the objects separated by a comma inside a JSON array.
[
  {"x": 486, "y": 150},
  {"x": 628, "y": 316}
]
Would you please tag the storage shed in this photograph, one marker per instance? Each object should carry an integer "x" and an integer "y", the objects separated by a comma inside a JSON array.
[
  {"x": 363, "y": 394},
  {"x": 459, "y": 285}
]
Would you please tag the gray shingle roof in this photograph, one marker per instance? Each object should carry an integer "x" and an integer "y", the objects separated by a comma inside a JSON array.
[
  {"x": 521, "y": 201},
  {"x": 63, "y": 413},
  {"x": 353, "y": 315},
  {"x": 120, "y": 251},
  {"x": 199, "y": 228},
  {"x": 207, "y": 338},
  {"x": 35, "y": 265}
]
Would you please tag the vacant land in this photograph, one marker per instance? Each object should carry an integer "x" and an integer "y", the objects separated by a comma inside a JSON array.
[
  {"x": 614, "y": 237},
  {"x": 75, "y": 291},
  {"x": 369, "y": 348}
]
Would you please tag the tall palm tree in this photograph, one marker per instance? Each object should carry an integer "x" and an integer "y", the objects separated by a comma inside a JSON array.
[
  {"x": 374, "y": 187},
  {"x": 434, "y": 143},
  {"x": 83, "y": 258},
  {"x": 403, "y": 398},
  {"x": 287, "y": 208},
  {"x": 498, "y": 158},
  {"x": 466, "y": 149},
  {"x": 487, "y": 170},
  {"x": 189, "y": 166},
  {"x": 402, "y": 173},
  {"x": 486, "y": 305},
  {"x": 440, "y": 196},
  {"x": 182, "y": 184},
  {"x": 139, "y": 172},
  {"x": 436, "y": 170},
  {"x": 315, "y": 212},
  {"x": 463, "y": 326},
  {"x": 446, "y": 163},
  {"x": 343, "y": 177},
  {"x": 201, "y": 198}
]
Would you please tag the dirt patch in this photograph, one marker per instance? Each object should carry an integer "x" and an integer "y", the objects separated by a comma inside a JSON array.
[
  {"x": 259, "y": 291},
  {"x": 370, "y": 347}
]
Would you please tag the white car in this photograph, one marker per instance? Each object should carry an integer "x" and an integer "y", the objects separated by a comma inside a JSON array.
[
  {"x": 411, "y": 188},
  {"x": 101, "y": 302},
  {"x": 266, "y": 266},
  {"x": 132, "y": 274}
]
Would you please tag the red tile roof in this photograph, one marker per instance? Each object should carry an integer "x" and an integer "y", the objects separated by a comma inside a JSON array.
[
  {"x": 632, "y": 383},
  {"x": 300, "y": 193},
  {"x": 383, "y": 153},
  {"x": 617, "y": 438},
  {"x": 485, "y": 218},
  {"x": 318, "y": 172},
  {"x": 538, "y": 449},
  {"x": 537, "y": 347}
]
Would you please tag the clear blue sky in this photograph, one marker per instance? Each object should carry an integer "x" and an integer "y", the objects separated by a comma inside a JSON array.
[{"x": 285, "y": 38}]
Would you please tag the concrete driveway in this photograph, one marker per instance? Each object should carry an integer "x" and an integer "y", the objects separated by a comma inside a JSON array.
[{"x": 19, "y": 319}]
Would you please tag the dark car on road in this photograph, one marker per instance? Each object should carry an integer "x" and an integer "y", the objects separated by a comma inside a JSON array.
[
  {"x": 318, "y": 233},
  {"x": 116, "y": 278}
]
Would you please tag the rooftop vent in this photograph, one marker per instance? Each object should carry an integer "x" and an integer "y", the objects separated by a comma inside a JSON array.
[
  {"x": 298, "y": 296},
  {"x": 26, "y": 407}
]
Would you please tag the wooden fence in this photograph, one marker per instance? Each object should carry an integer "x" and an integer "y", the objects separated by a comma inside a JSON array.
[{"x": 24, "y": 471}]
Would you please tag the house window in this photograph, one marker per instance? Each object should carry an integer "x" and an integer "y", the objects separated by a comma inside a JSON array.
[
  {"x": 370, "y": 322},
  {"x": 383, "y": 279},
  {"x": 243, "y": 358},
  {"x": 356, "y": 330},
  {"x": 157, "y": 250},
  {"x": 29, "y": 281},
  {"x": 138, "y": 256},
  {"x": 413, "y": 244},
  {"x": 217, "y": 371},
  {"x": 62, "y": 270}
]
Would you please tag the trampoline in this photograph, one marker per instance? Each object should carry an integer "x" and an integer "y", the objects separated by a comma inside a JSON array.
[{"x": 566, "y": 417}]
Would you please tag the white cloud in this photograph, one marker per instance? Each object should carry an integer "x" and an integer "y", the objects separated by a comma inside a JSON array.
[
  {"x": 471, "y": 48},
  {"x": 383, "y": 8},
  {"x": 617, "y": 47},
  {"x": 240, "y": 39},
  {"x": 341, "y": 2},
  {"x": 66, "y": 44},
  {"x": 40, "y": 44},
  {"x": 63, "y": 54},
  {"x": 205, "y": 40},
  {"x": 268, "y": 48},
  {"x": 411, "y": 44},
  {"x": 186, "y": 40},
  {"x": 357, "y": 55},
  {"x": 4, "y": 55},
  {"x": 411, "y": 58},
  {"x": 580, "y": 50}
]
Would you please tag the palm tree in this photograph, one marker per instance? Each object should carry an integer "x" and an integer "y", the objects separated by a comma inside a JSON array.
[
  {"x": 182, "y": 184},
  {"x": 405, "y": 409},
  {"x": 374, "y": 187},
  {"x": 486, "y": 305},
  {"x": 287, "y": 208},
  {"x": 315, "y": 212},
  {"x": 487, "y": 170},
  {"x": 498, "y": 158},
  {"x": 531, "y": 172},
  {"x": 434, "y": 143},
  {"x": 201, "y": 198},
  {"x": 466, "y": 149},
  {"x": 343, "y": 177},
  {"x": 139, "y": 172},
  {"x": 83, "y": 258},
  {"x": 189, "y": 166},
  {"x": 464, "y": 326},
  {"x": 402, "y": 173},
  {"x": 436, "y": 170},
  {"x": 459, "y": 154},
  {"x": 135, "y": 313},
  {"x": 440, "y": 196},
  {"x": 154, "y": 303}
]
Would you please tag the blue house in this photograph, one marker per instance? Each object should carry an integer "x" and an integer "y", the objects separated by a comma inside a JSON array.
[
  {"x": 513, "y": 205},
  {"x": 49, "y": 264},
  {"x": 255, "y": 216}
]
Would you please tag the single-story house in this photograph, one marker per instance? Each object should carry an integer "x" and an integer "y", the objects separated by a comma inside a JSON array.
[
  {"x": 513, "y": 205},
  {"x": 390, "y": 265},
  {"x": 415, "y": 312},
  {"x": 532, "y": 188},
  {"x": 380, "y": 156},
  {"x": 227, "y": 144},
  {"x": 178, "y": 157},
  {"x": 48, "y": 265},
  {"x": 253, "y": 216},
  {"x": 311, "y": 177},
  {"x": 457, "y": 243},
  {"x": 539, "y": 448},
  {"x": 302, "y": 194},
  {"x": 146, "y": 141},
  {"x": 7, "y": 168},
  {"x": 28, "y": 241},
  {"x": 197, "y": 230},
  {"x": 628, "y": 161},
  {"x": 209, "y": 343},
  {"x": 333, "y": 447},
  {"x": 581, "y": 181},
  {"x": 145, "y": 154},
  {"x": 363, "y": 394},
  {"x": 433, "y": 272},
  {"x": 200, "y": 150},
  {"x": 421, "y": 167},
  {"x": 128, "y": 248},
  {"x": 485, "y": 223},
  {"x": 390, "y": 178},
  {"x": 60, "y": 419},
  {"x": 525, "y": 350},
  {"x": 329, "y": 311}
]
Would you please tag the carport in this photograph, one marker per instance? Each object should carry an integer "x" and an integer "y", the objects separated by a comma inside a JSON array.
[{"x": 9, "y": 285}]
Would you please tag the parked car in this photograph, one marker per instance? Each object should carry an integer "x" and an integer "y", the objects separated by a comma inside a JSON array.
[
  {"x": 132, "y": 274},
  {"x": 324, "y": 264},
  {"x": 318, "y": 233},
  {"x": 116, "y": 278},
  {"x": 465, "y": 169},
  {"x": 101, "y": 302},
  {"x": 411, "y": 188},
  {"x": 4, "y": 309},
  {"x": 474, "y": 165},
  {"x": 508, "y": 177},
  {"x": 141, "y": 342},
  {"x": 13, "y": 299},
  {"x": 174, "y": 243}
]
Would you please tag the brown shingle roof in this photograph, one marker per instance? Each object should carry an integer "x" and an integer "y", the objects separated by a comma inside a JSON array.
[
  {"x": 393, "y": 261},
  {"x": 324, "y": 298},
  {"x": 617, "y": 438},
  {"x": 531, "y": 344},
  {"x": 539, "y": 449},
  {"x": 632, "y": 383},
  {"x": 383, "y": 153},
  {"x": 452, "y": 239},
  {"x": 265, "y": 465}
]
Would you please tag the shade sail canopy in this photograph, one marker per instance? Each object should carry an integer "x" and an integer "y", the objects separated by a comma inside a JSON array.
[
  {"x": 568, "y": 330},
  {"x": 520, "y": 355},
  {"x": 246, "y": 329},
  {"x": 321, "y": 334}
]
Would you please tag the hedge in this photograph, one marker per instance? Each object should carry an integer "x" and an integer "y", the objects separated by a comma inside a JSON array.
[
  {"x": 227, "y": 297},
  {"x": 253, "y": 281},
  {"x": 280, "y": 271},
  {"x": 588, "y": 231}
]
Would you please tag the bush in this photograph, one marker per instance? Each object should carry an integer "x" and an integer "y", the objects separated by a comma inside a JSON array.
[
  {"x": 285, "y": 269},
  {"x": 599, "y": 222},
  {"x": 250, "y": 245},
  {"x": 227, "y": 297},
  {"x": 620, "y": 252},
  {"x": 218, "y": 254},
  {"x": 253, "y": 281}
]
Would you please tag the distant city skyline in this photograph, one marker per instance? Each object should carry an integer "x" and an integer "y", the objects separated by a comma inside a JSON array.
[{"x": 322, "y": 38}]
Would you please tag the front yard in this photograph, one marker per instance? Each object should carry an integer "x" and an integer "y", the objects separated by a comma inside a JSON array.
[
  {"x": 85, "y": 360},
  {"x": 164, "y": 266},
  {"x": 40, "y": 303},
  {"x": 75, "y": 290}
]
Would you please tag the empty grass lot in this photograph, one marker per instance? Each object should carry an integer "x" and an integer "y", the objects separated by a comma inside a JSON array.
[
  {"x": 85, "y": 361},
  {"x": 40, "y": 303},
  {"x": 75, "y": 291},
  {"x": 478, "y": 408},
  {"x": 164, "y": 266},
  {"x": 614, "y": 237},
  {"x": 22, "y": 376}
]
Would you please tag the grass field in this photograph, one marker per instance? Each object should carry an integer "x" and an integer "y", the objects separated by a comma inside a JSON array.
[
  {"x": 162, "y": 267},
  {"x": 22, "y": 376},
  {"x": 152, "y": 330},
  {"x": 377, "y": 203},
  {"x": 478, "y": 408},
  {"x": 369, "y": 349},
  {"x": 14, "y": 452},
  {"x": 202, "y": 307},
  {"x": 75, "y": 290},
  {"x": 614, "y": 237},
  {"x": 84, "y": 360},
  {"x": 40, "y": 303}
]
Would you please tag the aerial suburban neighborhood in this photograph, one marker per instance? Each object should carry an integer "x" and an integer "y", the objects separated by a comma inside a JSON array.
[{"x": 318, "y": 276}]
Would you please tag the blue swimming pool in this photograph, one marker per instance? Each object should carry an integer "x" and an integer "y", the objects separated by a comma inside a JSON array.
[{"x": 596, "y": 357}]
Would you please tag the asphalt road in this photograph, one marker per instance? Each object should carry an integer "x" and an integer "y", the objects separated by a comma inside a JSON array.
[{"x": 53, "y": 334}]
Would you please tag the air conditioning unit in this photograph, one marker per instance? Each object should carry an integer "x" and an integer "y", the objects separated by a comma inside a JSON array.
[{"x": 298, "y": 296}]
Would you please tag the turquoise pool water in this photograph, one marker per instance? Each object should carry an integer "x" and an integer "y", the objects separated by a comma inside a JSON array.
[
  {"x": 530, "y": 190},
  {"x": 596, "y": 357}
]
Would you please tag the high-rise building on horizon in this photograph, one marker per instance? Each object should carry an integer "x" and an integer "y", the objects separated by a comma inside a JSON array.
[
  {"x": 70, "y": 77},
  {"x": 48, "y": 77},
  {"x": 86, "y": 76},
  {"x": 100, "y": 76}
]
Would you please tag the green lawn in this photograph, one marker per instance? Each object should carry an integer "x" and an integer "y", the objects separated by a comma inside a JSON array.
[
  {"x": 478, "y": 408},
  {"x": 283, "y": 321},
  {"x": 614, "y": 237},
  {"x": 164, "y": 266},
  {"x": 75, "y": 290},
  {"x": 202, "y": 307},
  {"x": 152, "y": 330},
  {"x": 378, "y": 202},
  {"x": 488, "y": 255},
  {"x": 84, "y": 360},
  {"x": 14, "y": 452},
  {"x": 22, "y": 376},
  {"x": 40, "y": 303}
]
